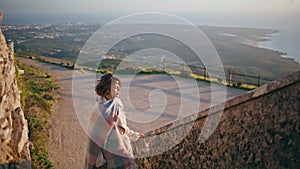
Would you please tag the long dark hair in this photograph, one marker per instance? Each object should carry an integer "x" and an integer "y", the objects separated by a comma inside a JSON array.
[{"x": 103, "y": 86}]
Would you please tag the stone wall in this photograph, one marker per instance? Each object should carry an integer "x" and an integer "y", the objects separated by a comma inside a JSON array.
[
  {"x": 13, "y": 125},
  {"x": 257, "y": 130}
]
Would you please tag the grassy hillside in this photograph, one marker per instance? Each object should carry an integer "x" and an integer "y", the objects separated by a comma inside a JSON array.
[{"x": 37, "y": 97}]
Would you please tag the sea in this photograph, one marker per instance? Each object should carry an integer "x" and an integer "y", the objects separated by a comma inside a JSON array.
[{"x": 286, "y": 40}]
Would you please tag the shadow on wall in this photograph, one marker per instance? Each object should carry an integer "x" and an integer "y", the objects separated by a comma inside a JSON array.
[{"x": 16, "y": 165}]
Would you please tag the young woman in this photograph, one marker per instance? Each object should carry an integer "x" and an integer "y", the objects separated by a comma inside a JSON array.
[{"x": 109, "y": 136}]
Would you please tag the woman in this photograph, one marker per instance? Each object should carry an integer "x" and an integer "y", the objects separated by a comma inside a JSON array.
[{"x": 109, "y": 145}]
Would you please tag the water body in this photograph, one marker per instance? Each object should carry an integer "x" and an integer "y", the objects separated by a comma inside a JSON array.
[{"x": 286, "y": 40}]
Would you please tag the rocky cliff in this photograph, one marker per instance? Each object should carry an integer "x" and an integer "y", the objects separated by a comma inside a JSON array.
[{"x": 13, "y": 125}]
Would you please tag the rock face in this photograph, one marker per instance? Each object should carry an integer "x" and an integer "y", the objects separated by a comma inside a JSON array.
[{"x": 13, "y": 125}]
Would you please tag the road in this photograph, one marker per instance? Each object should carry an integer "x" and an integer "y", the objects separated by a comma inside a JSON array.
[{"x": 150, "y": 101}]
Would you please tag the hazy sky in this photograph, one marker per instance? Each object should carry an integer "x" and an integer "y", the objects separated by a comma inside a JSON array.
[{"x": 116, "y": 8}]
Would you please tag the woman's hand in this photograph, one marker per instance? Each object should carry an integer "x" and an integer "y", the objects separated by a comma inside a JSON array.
[{"x": 111, "y": 123}]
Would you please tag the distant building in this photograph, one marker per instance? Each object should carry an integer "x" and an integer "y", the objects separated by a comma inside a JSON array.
[{"x": 109, "y": 57}]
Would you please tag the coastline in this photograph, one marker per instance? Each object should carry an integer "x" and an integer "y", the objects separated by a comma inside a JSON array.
[
  {"x": 257, "y": 37},
  {"x": 265, "y": 42},
  {"x": 268, "y": 44},
  {"x": 240, "y": 48},
  {"x": 262, "y": 41}
]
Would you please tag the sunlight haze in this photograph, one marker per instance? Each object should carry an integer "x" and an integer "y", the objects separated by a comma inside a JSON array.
[{"x": 129, "y": 6}]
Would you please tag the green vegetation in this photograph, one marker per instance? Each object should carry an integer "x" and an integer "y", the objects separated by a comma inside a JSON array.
[{"x": 37, "y": 97}]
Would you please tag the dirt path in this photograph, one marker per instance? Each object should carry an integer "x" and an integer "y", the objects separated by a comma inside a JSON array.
[{"x": 67, "y": 144}]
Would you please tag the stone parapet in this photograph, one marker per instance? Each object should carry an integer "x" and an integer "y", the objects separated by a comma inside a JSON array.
[{"x": 257, "y": 130}]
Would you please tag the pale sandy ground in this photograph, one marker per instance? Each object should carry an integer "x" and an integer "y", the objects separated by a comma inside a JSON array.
[{"x": 155, "y": 97}]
